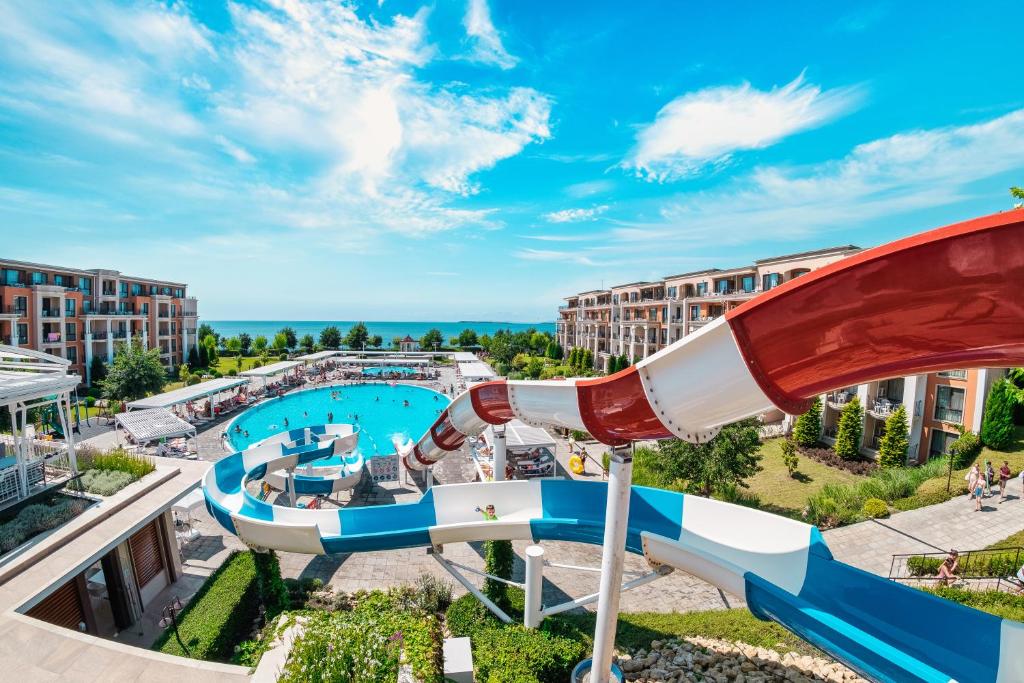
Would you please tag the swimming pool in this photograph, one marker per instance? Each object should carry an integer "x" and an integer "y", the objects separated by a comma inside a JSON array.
[
  {"x": 381, "y": 410},
  {"x": 377, "y": 371}
]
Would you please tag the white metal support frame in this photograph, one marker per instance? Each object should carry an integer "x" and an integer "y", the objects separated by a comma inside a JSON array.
[
  {"x": 612, "y": 557},
  {"x": 500, "y": 453},
  {"x": 532, "y": 614},
  {"x": 453, "y": 569}
]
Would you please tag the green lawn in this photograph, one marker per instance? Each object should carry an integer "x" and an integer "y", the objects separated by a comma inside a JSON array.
[
  {"x": 224, "y": 364},
  {"x": 780, "y": 493},
  {"x": 1013, "y": 541}
]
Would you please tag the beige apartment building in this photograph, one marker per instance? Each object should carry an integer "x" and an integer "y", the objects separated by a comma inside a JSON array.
[
  {"x": 638, "y": 319},
  {"x": 81, "y": 314}
]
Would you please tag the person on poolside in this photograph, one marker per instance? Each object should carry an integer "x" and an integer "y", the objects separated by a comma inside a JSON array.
[{"x": 947, "y": 570}]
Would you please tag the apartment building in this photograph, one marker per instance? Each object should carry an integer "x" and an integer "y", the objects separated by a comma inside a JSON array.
[
  {"x": 81, "y": 314},
  {"x": 638, "y": 319}
]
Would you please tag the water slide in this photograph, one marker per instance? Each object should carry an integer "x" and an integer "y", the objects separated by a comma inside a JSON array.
[
  {"x": 949, "y": 298},
  {"x": 341, "y": 471}
]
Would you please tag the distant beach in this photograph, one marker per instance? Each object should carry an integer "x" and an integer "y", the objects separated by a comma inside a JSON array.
[{"x": 386, "y": 329}]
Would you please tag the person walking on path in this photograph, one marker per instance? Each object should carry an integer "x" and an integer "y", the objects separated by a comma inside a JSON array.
[
  {"x": 1004, "y": 476},
  {"x": 990, "y": 476},
  {"x": 972, "y": 477}
]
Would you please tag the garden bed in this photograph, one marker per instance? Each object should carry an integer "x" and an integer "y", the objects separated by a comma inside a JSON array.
[
  {"x": 105, "y": 474},
  {"x": 37, "y": 518}
]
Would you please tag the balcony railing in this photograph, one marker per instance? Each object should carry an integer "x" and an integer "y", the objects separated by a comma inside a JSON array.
[
  {"x": 49, "y": 313},
  {"x": 51, "y": 337},
  {"x": 949, "y": 415},
  {"x": 883, "y": 408},
  {"x": 954, "y": 374}
]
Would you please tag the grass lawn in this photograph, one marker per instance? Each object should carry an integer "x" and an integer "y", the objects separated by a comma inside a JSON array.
[
  {"x": 224, "y": 364},
  {"x": 1014, "y": 541},
  {"x": 638, "y": 629},
  {"x": 786, "y": 495}
]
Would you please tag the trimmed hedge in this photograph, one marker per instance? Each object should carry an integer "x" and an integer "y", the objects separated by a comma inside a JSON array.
[
  {"x": 516, "y": 654},
  {"x": 988, "y": 565},
  {"x": 994, "y": 602},
  {"x": 221, "y": 615},
  {"x": 874, "y": 508}
]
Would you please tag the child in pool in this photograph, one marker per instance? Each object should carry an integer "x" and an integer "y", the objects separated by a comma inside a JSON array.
[{"x": 286, "y": 423}]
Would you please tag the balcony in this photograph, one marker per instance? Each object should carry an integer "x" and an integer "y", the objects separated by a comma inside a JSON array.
[
  {"x": 50, "y": 313},
  {"x": 838, "y": 399},
  {"x": 951, "y": 415},
  {"x": 954, "y": 374},
  {"x": 119, "y": 334},
  {"x": 99, "y": 336},
  {"x": 51, "y": 338},
  {"x": 882, "y": 408}
]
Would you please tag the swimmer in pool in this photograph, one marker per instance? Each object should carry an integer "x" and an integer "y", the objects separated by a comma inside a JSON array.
[
  {"x": 330, "y": 417},
  {"x": 238, "y": 429},
  {"x": 305, "y": 414},
  {"x": 246, "y": 433},
  {"x": 377, "y": 399},
  {"x": 405, "y": 403},
  {"x": 355, "y": 417}
]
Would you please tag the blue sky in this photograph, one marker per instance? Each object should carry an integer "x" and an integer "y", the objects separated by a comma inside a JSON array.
[{"x": 480, "y": 159}]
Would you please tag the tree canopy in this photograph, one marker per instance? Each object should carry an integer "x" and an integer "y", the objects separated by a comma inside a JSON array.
[
  {"x": 307, "y": 343},
  {"x": 997, "y": 422},
  {"x": 807, "y": 429},
  {"x": 432, "y": 337},
  {"x": 729, "y": 458},
  {"x": 850, "y": 430},
  {"x": 246, "y": 343},
  {"x": 892, "y": 448},
  {"x": 135, "y": 373},
  {"x": 289, "y": 337},
  {"x": 357, "y": 336},
  {"x": 330, "y": 337},
  {"x": 468, "y": 338}
]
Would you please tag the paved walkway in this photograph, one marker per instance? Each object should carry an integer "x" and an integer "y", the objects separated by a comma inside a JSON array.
[{"x": 954, "y": 524}]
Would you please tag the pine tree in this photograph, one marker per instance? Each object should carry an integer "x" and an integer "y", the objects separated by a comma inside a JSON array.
[
  {"x": 892, "y": 450},
  {"x": 807, "y": 428},
  {"x": 613, "y": 365},
  {"x": 623, "y": 362},
  {"x": 851, "y": 427},
  {"x": 588, "y": 359},
  {"x": 997, "y": 424}
]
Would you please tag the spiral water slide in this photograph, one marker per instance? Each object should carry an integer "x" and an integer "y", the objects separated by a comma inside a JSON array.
[{"x": 949, "y": 298}]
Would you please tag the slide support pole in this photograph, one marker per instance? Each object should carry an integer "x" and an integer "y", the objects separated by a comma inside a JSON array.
[
  {"x": 533, "y": 615},
  {"x": 612, "y": 557},
  {"x": 291, "y": 486},
  {"x": 500, "y": 453}
]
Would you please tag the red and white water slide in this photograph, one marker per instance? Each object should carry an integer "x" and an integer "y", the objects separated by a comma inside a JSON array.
[{"x": 945, "y": 299}]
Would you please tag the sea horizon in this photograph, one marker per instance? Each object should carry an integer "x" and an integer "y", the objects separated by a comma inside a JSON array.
[{"x": 385, "y": 328}]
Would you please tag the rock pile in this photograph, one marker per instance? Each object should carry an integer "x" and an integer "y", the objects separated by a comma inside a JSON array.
[{"x": 720, "y": 661}]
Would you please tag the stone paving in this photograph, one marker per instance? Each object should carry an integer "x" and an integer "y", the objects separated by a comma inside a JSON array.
[{"x": 870, "y": 545}]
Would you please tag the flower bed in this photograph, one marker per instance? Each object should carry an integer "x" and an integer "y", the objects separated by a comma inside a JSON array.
[
  {"x": 107, "y": 473},
  {"x": 34, "y": 519},
  {"x": 827, "y": 456}
]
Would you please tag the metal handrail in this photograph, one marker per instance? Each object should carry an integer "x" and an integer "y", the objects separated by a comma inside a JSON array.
[{"x": 898, "y": 568}]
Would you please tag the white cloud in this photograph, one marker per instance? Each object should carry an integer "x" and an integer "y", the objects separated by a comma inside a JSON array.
[
  {"x": 552, "y": 255},
  {"x": 704, "y": 128},
  {"x": 885, "y": 178},
  {"x": 334, "y": 128},
  {"x": 485, "y": 40},
  {"x": 575, "y": 215},
  {"x": 589, "y": 188}
]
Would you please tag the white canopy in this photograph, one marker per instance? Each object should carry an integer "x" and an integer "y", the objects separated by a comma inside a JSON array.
[
  {"x": 26, "y": 375},
  {"x": 146, "y": 426},
  {"x": 476, "y": 370},
  {"x": 520, "y": 436},
  {"x": 319, "y": 355},
  {"x": 186, "y": 394},
  {"x": 464, "y": 357},
  {"x": 272, "y": 369}
]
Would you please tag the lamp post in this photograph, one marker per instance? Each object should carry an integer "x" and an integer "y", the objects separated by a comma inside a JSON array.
[{"x": 170, "y": 618}]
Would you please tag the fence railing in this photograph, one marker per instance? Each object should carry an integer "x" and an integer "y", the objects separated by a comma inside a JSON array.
[{"x": 983, "y": 569}]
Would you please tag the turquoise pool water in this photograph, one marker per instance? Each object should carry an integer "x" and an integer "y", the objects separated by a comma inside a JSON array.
[
  {"x": 380, "y": 408},
  {"x": 377, "y": 371}
]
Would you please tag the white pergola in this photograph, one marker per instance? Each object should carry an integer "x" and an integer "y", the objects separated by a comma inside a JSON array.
[
  {"x": 155, "y": 424},
  {"x": 464, "y": 357},
  {"x": 476, "y": 371},
  {"x": 169, "y": 399},
  {"x": 33, "y": 379},
  {"x": 267, "y": 371}
]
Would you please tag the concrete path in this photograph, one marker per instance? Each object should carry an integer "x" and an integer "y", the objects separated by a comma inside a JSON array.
[{"x": 954, "y": 524}]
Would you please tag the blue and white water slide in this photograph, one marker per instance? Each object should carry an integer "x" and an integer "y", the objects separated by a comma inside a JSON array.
[
  {"x": 340, "y": 470},
  {"x": 945, "y": 299}
]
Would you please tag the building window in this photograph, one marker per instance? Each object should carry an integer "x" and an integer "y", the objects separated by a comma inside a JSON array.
[
  {"x": 13, "y": 277},
  {"x": 69, "y": 307},
  {"x": 86, "y": 306},
  {"x": 954, "y": 374},
  {"x": 949, "y": 404},
  {"x": 145, "y": 309},
  {"x": 21, "y": 305},
  {"x": 85, "y": 284},
  {"x": 940, "y": 442},
  {"x": 723, "y": 287},
  {"x": 124, "y": 289},
  {"x": 58, "y": 280},
  {"x": 702, "y": 288},
  {"x": 39, "y": 278},
  {"x": 71, "y": 332},
  {"x": 72, "y": 354},
  {"x": 23, "y": 333},
  {"x": 770, "y": 280},
  {"x": 694, "y": 312},
  {"x": 136, "y": 289},
  {"x": 152, "y": 289},
  {"x": 179, "y": 293},
  {"x": 747, "y": 283}
]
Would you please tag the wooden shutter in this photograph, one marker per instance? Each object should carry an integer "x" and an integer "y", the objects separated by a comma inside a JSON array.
[
  {"x": 146, "y": 556},
  {"x": 63, "y": 607}
]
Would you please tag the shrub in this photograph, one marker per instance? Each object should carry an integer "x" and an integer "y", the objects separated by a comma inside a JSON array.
[
  {"x": 874, "y": 508},
  {"x": 104, "y": 482},
  {"x": 515, "y": 654},
  {"x": 216, "y": 374},
  {"x": 34, "y": 519},
  {"x": 892, "y": 450},
  {"x": 833, "y": 505},
  {"x": 807, "y": 428},
  {"x": 499, "y": 559},
  {"x": 994, "y": 602},
  {"x": 851, "y": 426},
  {"x": 468, "y": 615},
  {"x": 118, "y": 460},
  {"x": 221, "y": 614},
  {"x": 283, "y": 356},
  {"x": 193, "y": 379},
  {"x": 90, "y": 401},
  {"x": 232, "y": 372},
  {"x": 965, "y": 450},
  {"x": 997, "y": 424},
  {"x": 923, "y": 566},
  {"x": 789, "y": 456},
  {"x": 432, "y": 595}
]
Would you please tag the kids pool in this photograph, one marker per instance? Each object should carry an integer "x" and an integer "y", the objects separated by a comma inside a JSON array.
[{"x": 379, "y": 410}]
